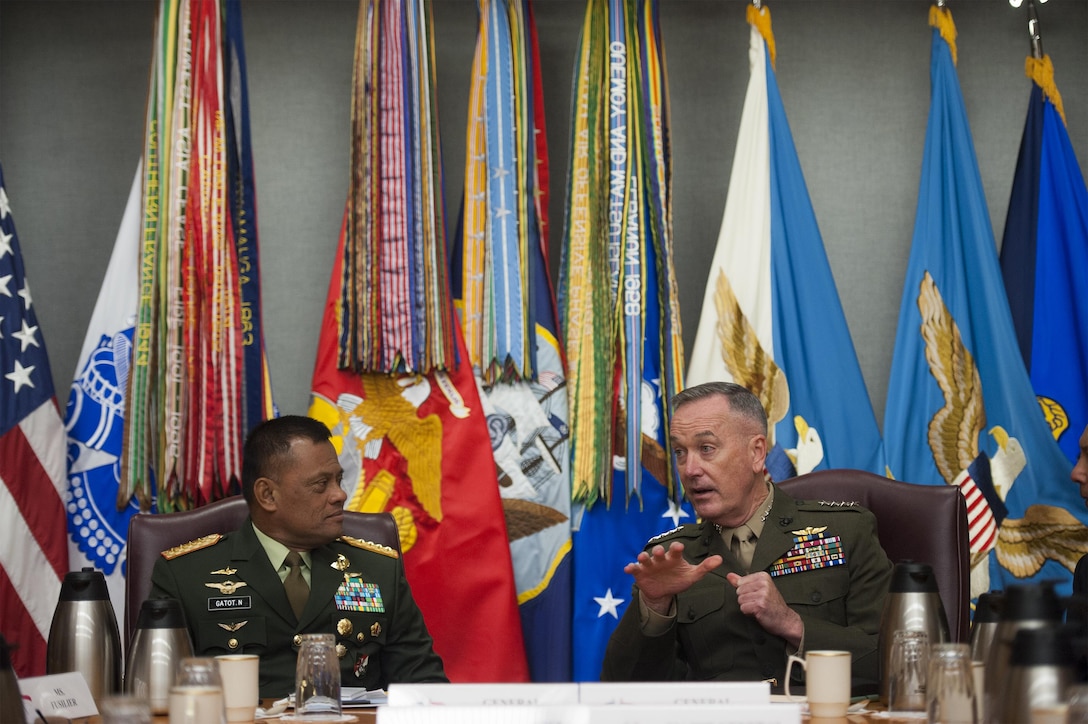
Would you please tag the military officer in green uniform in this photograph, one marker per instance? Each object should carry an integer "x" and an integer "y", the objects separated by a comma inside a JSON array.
[
  {"x": 287, "y": 571},
  {"x": 761, "y": 575}
]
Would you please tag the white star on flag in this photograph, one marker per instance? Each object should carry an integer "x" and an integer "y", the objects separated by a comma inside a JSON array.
[
  {"x": 675, "y": 512},
  {"x": 4, "y": 281},
  {"x": 25, "y": 294},
  {"x": 20, "y": 376},
  {"x": 608, "y": 604},
  {"x": 5, "y": 244},
  {"x": 26, "y": 336},
  {"x": 5, "y": 207}
]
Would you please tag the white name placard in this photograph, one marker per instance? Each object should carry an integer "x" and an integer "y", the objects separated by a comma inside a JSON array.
[
  {"x": 583, "y": 714},
  {"x": 57, "y": 695},
  {"x": 483, "y": 694},
  {"x": 676, "y": 693}
]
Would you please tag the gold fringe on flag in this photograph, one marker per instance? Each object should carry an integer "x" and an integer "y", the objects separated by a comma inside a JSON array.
[
  {"x": 1041, "y": 71},
  {"x": 760, "y": 19},
  {"x": 941, "y": 18}
]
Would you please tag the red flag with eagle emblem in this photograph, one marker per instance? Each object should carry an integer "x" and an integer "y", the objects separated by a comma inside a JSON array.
[{"x": 418, "y": 446}]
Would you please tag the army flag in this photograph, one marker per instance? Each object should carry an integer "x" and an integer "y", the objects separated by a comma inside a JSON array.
[
  {"x": 771, "y": 318},
  {"x": 960, "y": 408},
  {"x": 507, "y": 309},
  {"x": 94, "y": 418},
  {"x": 620, "y": 313},
  {"x": 33, "y": 549},
  {"x": 1044, "y": 261},
  {"x": 393, "y": 379}
]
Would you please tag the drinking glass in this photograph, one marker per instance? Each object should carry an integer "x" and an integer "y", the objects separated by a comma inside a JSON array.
[
  {"x": 197, "y": 694},
  {"x": 125, "y": 709},
  {"x": 317, "y": 679},
  {"x": 907, "y": 677},
  {"x": 1077, "y": 698},
  {"x": 950, "y": 685}
]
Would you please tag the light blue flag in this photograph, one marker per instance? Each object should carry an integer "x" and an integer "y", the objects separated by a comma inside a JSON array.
[
  {"x": 771, "y": 311},
  {"x": 960, "y": 408}
]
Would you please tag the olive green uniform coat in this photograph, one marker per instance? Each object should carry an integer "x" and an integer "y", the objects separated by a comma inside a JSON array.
[
  {"x": 840, "y": 605},
  {"x": 377, "y": 646}
]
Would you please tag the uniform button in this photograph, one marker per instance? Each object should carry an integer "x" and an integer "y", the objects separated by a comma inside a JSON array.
[
  {"x": 341, "y": 650},
  {"x": 815, "y": 596},
  {"x": 297, "y": 640},
  {"x": 361, "y": 637},
  {"x": 233, "y": 643},
  {"x": 343, "y": 627},
  {"x": 691, "y": 613}
]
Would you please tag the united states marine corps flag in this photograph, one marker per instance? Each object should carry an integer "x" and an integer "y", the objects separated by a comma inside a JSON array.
[
  {"x": 393, "y": 379},
  {"x": 1044, "y": 260},
  {"x": 771, "y": 318},
  {"x": 507, "y": 308},
  {"x": 960, "y": 407},
  {"x": 619, "y": 312}
]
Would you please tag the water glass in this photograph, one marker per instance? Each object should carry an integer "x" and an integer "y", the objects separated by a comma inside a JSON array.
[
  {"x": 317, "y": 679},
  {"x": 197, "y": 694},
  {"x": 1077, "y": 698},
  {"x": 950, "y": 685},
  {"x": 907, "y": 676},
  {"x": 125, "y": 709}
]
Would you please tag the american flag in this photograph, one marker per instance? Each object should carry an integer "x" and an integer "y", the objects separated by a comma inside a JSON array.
[{"x": 33, "y": 544}]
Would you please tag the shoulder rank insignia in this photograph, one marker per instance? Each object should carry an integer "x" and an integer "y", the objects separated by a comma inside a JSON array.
[
  {"x": 193, "y": 545},
  {"x": 659, "y": 536},
  {"x": 370, "y": 546},
  {"x": 227, "y": 588}
]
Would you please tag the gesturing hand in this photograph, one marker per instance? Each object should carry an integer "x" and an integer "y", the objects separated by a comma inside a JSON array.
[
  {"x": 661, "y": 574},
  {"x": 758, "y": 597}
]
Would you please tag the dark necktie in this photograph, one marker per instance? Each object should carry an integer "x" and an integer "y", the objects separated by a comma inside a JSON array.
[{"x": 295, "y": 585}]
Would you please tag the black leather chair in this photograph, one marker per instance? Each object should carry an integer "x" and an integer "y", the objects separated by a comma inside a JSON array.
[
  {"x": 151, "y": 534},
  {"x": 922, "y": 523}
]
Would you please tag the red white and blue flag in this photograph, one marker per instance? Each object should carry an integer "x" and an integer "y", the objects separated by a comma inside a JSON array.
[{"x": 33, "y": 546}]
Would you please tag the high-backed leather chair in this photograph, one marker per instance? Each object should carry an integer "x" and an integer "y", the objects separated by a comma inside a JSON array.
[
  {"x": 921, "y": 523},
  {"x": 151, "y": 534}
]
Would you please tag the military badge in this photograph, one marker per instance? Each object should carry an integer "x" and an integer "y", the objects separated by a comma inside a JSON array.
[
  {"x": 360, "y": 666},
  {"x": 812, "y": 549},
  {"x": 356, "y": 594}
]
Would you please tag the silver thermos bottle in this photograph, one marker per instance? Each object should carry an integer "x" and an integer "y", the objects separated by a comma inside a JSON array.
[
  {"x": 1022, "y": 607},
  {"x": 984, "y": 625},
  {"x": 11, "y": 701},
  {"x": 1041, "y": 664},
  {"x": 913, "y": 604},
  {"x": 160, "y": 641},
  {"x": 83, "y": 636}
]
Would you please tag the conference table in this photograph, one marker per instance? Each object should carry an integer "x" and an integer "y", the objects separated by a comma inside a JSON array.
[{"x": 873, "y": 715}]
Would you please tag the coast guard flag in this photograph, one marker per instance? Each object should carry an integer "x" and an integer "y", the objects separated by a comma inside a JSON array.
[
  {"x": 33, "y": 552},
  {"x": 620, "y": 314},
  {"x": 960, "y": 408},
  {"x": 771, "y": 318},
  {"x": 95, "y": 416},
  {"x": 502, "y": 291},
  {"x": 1044, "y": 261}
]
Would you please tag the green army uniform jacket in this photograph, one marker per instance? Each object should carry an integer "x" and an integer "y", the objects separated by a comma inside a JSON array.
[
  {"x": 838, "y": 591},
  {"x": 235, "y": 603}
]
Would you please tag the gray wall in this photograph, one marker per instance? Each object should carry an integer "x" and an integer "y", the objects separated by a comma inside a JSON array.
[{"x": 854, "y": 77}]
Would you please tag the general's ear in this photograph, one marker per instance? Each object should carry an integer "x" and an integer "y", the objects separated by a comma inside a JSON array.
[
  {"x": 264, "y": 493},
  {"x": 758, "y": 447}
]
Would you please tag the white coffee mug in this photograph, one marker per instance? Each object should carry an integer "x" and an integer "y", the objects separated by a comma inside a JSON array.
[{"x": 827, "y": 682}]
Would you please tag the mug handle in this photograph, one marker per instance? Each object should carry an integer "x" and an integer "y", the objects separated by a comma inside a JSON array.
[{"x": 789, "y": 665}]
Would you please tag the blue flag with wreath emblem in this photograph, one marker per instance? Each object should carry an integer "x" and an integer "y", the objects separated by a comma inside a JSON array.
[{"x": 960, "y": 408}]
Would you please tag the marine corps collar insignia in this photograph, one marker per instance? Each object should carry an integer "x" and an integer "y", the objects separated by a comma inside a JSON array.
[{"x": 227, "y": 588}]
